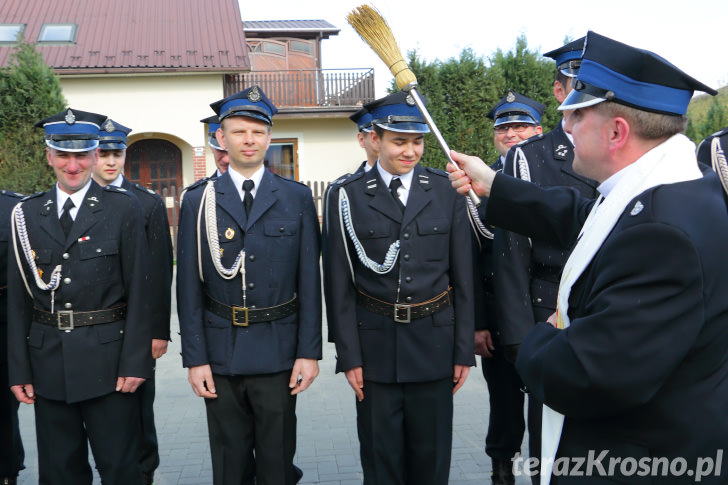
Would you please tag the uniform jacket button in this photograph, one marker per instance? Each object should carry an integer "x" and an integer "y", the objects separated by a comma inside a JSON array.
[
  {"x": 251, "y": 286},
  {"x": 251, "y": 257},
  {"x": 68, "y": 306},
  {"x": 408, "y": 299},
  {"x": 406, "y": 257},
  {"x": 406, "y": 235},
  {"x": 408, "y": 279},
  {"x": 67, "y": 280},
  {"x": 66, "y": 256}
]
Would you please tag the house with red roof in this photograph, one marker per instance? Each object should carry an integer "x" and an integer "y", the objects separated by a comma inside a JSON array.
[{"x": 156, "y": 67}]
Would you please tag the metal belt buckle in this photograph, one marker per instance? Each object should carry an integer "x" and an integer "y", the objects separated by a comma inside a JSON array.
[
  {"x": 61, "y": 324},
  {"x": 407, "y": 312},
  {"x": 243, "y": 309}
]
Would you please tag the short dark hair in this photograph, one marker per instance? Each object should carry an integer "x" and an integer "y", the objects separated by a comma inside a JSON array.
[
  {"x": 645, "y": 124},
  {"x": 562, "y": 78}
]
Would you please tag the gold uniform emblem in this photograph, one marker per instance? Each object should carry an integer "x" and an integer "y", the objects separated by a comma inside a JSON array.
[{"x": 229, "y": 233}]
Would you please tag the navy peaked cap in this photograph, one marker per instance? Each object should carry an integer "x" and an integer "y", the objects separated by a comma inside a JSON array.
[
  {"x": 72, "y": 130},
  {"x": 516, "y": 108},
  {"x": 113, "y": 135},
  {"x": 363, "y": 119},
  {"x": 613, "y": 71},
  {"x": 251, "y": 102},
  {"x": 398, "y": 112},
  {"x": 568, "y": 57},
  {"x": 213, "y": 123}
]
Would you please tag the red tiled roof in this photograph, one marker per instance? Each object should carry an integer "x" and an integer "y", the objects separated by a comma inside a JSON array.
[{"x": 135, "y": 35}]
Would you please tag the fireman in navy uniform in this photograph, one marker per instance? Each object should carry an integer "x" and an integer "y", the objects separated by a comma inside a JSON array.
[
  {"x": 516, "y": 118},
  {"x": 363, "y": 120},
  {"x": 403, "y": 311},
  {"x": 636, "y": 365},
  {"x": 527, "y": 271},
  {"x": 109, "y": 170},
  {"x": 11, "y": 445},
  {"x": 222, "y": 161},
  {"x": 706, "y": 150},
  {"x": 79, "y": 337},
  {"x": 250, "y": 306}
]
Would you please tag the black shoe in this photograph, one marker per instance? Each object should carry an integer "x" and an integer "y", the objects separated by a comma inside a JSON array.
[
  {"x": 148, "y": 478},
  {"x": 503, "y": 472}
]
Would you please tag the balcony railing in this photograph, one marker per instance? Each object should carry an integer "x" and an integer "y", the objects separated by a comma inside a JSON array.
[{"x": 308, "y": 87}]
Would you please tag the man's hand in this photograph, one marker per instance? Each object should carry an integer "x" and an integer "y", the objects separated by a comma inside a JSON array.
[
  {"x": 128, "y": 384},
  {"x": 484, "y": 344},
  {"x": 552, "y": 319},
  {"x": 460, "y": 373},
  {"x": 303, "y": 373},
  {"x": 473, "y": 173},
  {"x": 159, "y": 347},
  {"x": 24, "y": 393},
  {"x": 200, "y": 378},
  {"x": 356, "y": 381}
]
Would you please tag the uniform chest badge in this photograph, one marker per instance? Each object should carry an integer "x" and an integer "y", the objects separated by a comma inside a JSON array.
[
  {"x": 229, "y": 233},
  {"x": 562, "y": 150},
  {"x": 40, "y": 273},
  {"x": 222, "y": 250},
  {"x": 32, "y": 253},
  {"x": 637, "y": 208}
]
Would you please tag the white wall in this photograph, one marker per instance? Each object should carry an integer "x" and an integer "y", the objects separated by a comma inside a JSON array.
[
  {"x": 170, "y": 107},
  {"x": 327, "y": 148}
]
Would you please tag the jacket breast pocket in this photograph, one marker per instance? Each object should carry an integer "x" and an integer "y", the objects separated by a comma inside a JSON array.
[
  {"x": 100, "y": 258},
  {"x": 373, "y": 230},
  {"x": 435, "y": 234},
  {"x": 281, "y": 238}
]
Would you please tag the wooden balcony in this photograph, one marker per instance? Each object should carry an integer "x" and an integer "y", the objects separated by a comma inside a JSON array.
[{"x": 308, "y": 87}]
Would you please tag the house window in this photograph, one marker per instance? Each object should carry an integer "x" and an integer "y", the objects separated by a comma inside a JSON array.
[
  {"x": 282, "y": 157},
  {"x": 299, "y": 46},
  {"x": 11, "y": 33},
  {"x": 274, "y": 48},
  {"x": 57, "y": 33}
]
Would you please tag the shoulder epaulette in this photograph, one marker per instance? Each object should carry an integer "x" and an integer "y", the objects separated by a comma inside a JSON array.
[
  {"x": 342, "y": 179},
  {"x": 116, "y": 190},
  {"x": 348, "y": 178},
  {"x": 437, "y": 171},
  {"x": 33, "y": 196},
  {"x": 532, "y": 139},
  {"x": 10, "y": 193},
  {"x": 197, "y": 183},
  {"x": 145, "y": 191},
  {"x": 288, "y": 180}
]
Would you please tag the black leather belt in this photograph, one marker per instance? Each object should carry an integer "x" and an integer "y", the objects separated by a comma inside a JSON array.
[
  {"x": 403, "y": 313},
  {"x": 69, "y": 319},
  {"x": 243, "y": 316}
]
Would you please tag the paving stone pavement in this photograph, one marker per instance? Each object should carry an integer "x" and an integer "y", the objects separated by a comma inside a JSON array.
[{"x": 327, "y": 448}]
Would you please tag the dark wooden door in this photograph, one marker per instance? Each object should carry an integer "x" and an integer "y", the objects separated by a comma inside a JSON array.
[{"x": 157, "y": 165}]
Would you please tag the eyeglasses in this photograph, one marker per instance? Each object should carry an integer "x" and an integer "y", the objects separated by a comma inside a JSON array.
[{"x": 516, "y": 127}]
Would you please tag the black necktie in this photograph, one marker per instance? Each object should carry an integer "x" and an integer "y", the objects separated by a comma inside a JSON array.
[
  {"x": 395, "y": 184},
  {"x": 66, "y": 220},
  {"x": 248, "y": 197}
]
